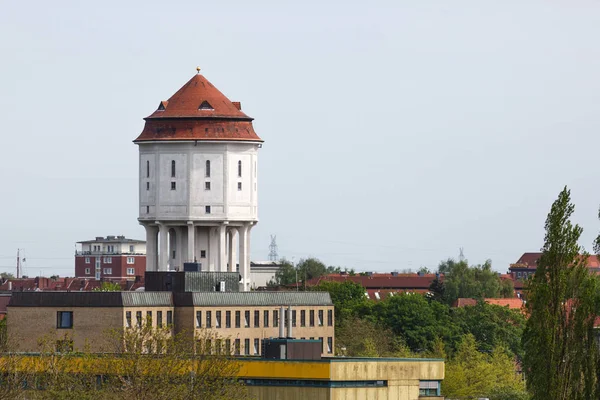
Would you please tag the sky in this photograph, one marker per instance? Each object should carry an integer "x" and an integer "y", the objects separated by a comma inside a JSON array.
[{"x": 396, "y": 132}]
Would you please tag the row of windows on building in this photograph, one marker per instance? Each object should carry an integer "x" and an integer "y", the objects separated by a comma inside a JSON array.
[
  {"x": 219, "y": 346},
  {"x": 206, "y": 169},
  {"x": 108, "y": 260},
  {"x": 139, "y": 318},
  {"x": 524, "y": 274},
  {"x": 206, "y": 186},
  {"x": 110, "y": 248},
  {"x": 108, "y": 271},
  {"x": 255, "y": 321},
  {"x": 207, "y": 210}
]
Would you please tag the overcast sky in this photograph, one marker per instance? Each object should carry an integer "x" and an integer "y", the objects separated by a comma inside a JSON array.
[{"x": 395, "y": 132}]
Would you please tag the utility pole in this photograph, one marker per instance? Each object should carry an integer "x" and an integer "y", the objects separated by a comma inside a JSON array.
[{"x": 18, "y": 263}]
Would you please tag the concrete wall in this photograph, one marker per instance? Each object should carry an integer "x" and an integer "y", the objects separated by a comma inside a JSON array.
[
  {"x": 189, "y": 199},
  {"x": 290, "y": 393}
]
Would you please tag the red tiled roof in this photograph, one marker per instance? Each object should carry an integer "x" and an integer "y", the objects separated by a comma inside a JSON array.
[
  {"x": 529, "y": 260},
  {"x": 514, "y": 303},
  {"x": 380, "y": 281},
  {"x": 463, "y": 302},
  {"x": 198, "y": 111}
]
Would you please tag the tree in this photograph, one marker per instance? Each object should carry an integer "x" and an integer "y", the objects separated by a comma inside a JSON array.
[
  {"x": 108, "y": 287},
  {"x": 359, "y": 337},
  {"x": 157, "y": 364},
  {"x": 310, "y": 268},
  {"x": 461, "y": 280},
  {"x": 559, "y": 343},
  {"x": 285, "y": 275},
  {"x": 346, "y": 296},
  {"x": 472, "y": 374},
  {"x": 6, "y": 275},
  {"x": 507, "y": 289},
  {"x": 492, "y": 326},
  {"x": 414, "y": 319}
]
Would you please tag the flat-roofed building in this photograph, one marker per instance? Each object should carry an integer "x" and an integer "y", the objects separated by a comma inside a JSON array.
[
  {"x": 110, "y": 258},
  {"x": 246, "y": 318},
  {"x": 86, "y": 319},
  {"x": 242, "y": 319}
]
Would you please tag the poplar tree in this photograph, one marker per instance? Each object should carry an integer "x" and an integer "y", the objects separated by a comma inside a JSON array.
[{"x": 558, "y": 340}]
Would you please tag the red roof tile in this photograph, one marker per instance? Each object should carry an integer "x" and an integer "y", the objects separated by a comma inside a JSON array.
[
  {"x": 198, "y": 111},
  {"x": 529, "y": 260},
  {"x": 464, "y": 302},
  {"x": 380, "y": 281},
  {"x": 514, "y": 303}
]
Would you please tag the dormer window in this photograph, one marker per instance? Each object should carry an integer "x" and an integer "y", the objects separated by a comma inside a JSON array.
[
  {"x": 161, "y": 106},
  {"x": 205, "y": 106}
]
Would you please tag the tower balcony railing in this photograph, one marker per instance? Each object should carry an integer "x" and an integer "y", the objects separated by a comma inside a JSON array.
[{"x": 108, "y": 253}]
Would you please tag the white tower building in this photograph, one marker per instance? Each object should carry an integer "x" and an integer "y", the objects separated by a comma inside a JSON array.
[{"x": 198, "y": 181}]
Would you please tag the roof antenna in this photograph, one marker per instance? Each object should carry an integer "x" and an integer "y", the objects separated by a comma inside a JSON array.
[{"x": 198, "y": 70}]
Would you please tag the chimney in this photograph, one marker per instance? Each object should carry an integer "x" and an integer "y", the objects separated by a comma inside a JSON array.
[
  {"x": 281, "y": 323},
  {"x": 289, "y": 327},
  {"x": 237, "y": 105}
]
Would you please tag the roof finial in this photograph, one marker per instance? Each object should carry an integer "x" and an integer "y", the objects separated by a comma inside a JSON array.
[{"x": 198, "y": 69}]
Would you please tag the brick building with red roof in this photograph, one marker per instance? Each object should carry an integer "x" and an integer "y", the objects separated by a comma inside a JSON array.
[{"x": 379, "y": 286}]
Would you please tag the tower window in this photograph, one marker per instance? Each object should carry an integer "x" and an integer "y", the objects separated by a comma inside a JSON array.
[
  {"x": 173, "y": 169},
  {"x": 147, "y": 169},
  {"x": 173, "y": 185},
  {"x": 207, "y": 209},
  {"x": 206, "y": 185},
  {"x": 147, "y": 185},
  {"x": 208, "y": 168},
  {"x": 202, "y": 253},
  {"x": 240, "y": 168},
  {"x": 147, "y": 209},
  {"x": 205, "y": 106},
  {"x": 239, "y": 185}
]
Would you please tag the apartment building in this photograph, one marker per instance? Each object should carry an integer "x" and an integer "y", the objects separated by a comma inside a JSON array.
[{"x": 110, "y": 258}]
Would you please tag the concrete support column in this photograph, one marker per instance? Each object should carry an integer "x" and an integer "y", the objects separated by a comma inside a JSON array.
[
  {"x": 244, "y": 256},
  {"x": 232, "y": 259},
  {"x": 182, "y": 245},
  {"x": 191, "y": 241},
  {"x": 213, "y": 250},
  {"x": 151, "y": 247},
  {"x": 222, "y": 263},
  {"x": 172, "y": 248},
  {"x": 248, "y": 280},
  {"x": 163, "y": 254}
]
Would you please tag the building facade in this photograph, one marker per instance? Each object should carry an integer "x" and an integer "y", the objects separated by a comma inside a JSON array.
[
  {"x": 198, "y": 181},
  {"x": 240, "y": 319},
  {"x": 110, "y": 258}
]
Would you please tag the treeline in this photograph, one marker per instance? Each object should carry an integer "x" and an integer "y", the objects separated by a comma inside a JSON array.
[{"x": 481, "y": 343}]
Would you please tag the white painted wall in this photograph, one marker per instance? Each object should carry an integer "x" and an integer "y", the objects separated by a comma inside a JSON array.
[{"x": 189, "y": 200}]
